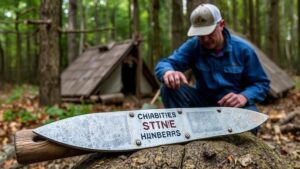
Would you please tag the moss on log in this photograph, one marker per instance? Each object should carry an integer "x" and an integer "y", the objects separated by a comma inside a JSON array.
[{"x": 236, "y": 151}]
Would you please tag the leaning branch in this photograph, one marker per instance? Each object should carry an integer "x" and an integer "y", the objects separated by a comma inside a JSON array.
[
  {"x": 37, "y": 22},
  {"x": 84, "y": 31}
]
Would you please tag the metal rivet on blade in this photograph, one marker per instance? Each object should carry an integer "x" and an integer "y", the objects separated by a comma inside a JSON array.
[
  {"x": 219, "y": 110},
  {"x": 131, "y": 114},
  {"x": 187, "y": 135},
  {"x": 179, "y": 111},
  {"x": 138, "y": 142},
  {"x": 229, "y": 130}
]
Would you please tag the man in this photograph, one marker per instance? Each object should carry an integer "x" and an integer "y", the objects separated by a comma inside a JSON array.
[{"x": 227, "y": 70}]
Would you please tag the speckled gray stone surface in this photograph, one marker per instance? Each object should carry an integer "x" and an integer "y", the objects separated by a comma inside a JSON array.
[{"x": 130, "y": 130}]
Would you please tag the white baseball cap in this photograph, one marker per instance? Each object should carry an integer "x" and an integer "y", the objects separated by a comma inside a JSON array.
[{"x": 204, "y": 20}]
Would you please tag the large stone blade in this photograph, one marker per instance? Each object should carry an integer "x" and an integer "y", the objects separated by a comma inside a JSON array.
[{"x": 136, "y": 129}]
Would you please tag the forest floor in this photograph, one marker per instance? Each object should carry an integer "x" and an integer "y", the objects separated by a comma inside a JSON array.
[{"x": 281, "y": 132}]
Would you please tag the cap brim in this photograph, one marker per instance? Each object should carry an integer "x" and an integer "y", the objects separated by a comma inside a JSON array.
[{"x": 201, "y": 31}]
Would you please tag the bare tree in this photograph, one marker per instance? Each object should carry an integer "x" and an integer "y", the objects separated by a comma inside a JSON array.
[
  {"x": 177, "y": 24},
  {"x": 49, "y": 53},
  {"x": 82, "y": 26},
  {"x": 257, "y": 21},
  {"x": 273, "y": 46},
  {"x": 72, "y": 45},
  {"x": 97, "y": 21},
  {"x": 2, "y": 61},
  {"x": 298, "y": 52},
  {"x": 234, "y": 15},
  {"x": 245, "y": 19},
  {"x": 18, "y": 46},
  {"x": 251, "y": 21},
  {"x": 156, "y": 32},
  {"x": 136, "y": 20}
]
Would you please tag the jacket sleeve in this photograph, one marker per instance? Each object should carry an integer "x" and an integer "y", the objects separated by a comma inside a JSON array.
[
  {"x": 179, "y": 60},
  {"x": 255, "y": 81}
]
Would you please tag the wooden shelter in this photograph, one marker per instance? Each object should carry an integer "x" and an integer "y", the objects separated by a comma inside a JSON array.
[
  {"x": 280, "y": 80},
  {"x": 107, "y": 73}
]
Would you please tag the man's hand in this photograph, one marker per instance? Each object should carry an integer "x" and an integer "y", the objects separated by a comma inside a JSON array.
[
  {"x": 174, "y": 79},
  {"x": 233, "y": 100}
]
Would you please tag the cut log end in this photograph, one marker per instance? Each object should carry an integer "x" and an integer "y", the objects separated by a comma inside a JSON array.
[{"x": 31, "y": 148}]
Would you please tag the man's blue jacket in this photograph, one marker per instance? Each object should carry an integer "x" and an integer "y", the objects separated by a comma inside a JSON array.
[{"x": 236, "y": 68}]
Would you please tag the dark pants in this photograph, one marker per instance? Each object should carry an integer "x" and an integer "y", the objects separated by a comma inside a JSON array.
[{"x": 187, "y": 96}]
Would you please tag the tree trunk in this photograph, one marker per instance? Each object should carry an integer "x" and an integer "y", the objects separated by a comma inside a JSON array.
[
  {"x": 97, "y": 22},
  {"x": 49, "y": 54},
  {"x": 298, "y": 51},
  {"x": 137, "y": 51},
  {"x": 136, "y": 20},
  {"x": 36, "y": 54},
  {"x": 234, "y": 15},
  {"x": 257, "y": 21},
  {"x": 245, "y": 19},
  {"x": 177, "y": 24},
  {"x": 251, "y": 22},
  {"x": 28, "y": 64},
  {"x": 156, "y": 32},
  {"x": 273, "y": 46},
  {"x": 18, "y": 47},
  {"x": 236, "y": 151},
  {"x": 2, "y": 61},
  {"x": 7, "y": 69},
  {"x": 72, "y": 52},
  {"x": 82, "y": 26}
]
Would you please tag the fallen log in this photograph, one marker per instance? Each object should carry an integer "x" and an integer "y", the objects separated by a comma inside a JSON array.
[
  {"x": 289, "y": 118},
  {"x": 31, "y": 148},
  {"x": 112, "y": 98},
  {"x": 293, "y": 128},
  {"x": 235, "y": 151}
]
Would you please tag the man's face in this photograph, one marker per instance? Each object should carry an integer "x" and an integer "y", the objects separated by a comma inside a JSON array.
[{"x": 214, "y": 40}]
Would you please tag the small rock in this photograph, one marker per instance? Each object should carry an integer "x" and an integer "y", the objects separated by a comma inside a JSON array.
[
  {"x": 157, "y": 159},
  {"x": 209, "y": 154},
  {"x": 123, "y": 157},
  {"x": 245, "y": 160},
  {"x": 2, "y": 133}
]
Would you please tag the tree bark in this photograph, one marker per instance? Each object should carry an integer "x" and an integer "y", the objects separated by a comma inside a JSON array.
[
  {"x": 234, "y": 15},
  {"x": 7, "y": 68},
  {"x": 273, "y": 46},
  {"x": 245, "y": 19},
  {"x": 49, "y": 54},
  {"x": 298, "y": 51},
  {"x": 177, "y": 24},
  {"x": 156, "y": 32},
  {"x": 18, "y": 47},
  {"x": 28, "y": 61},
  {"x": 251, "y": 22},
  {"x": 82, "y": 27},
  {"x": 257, "y": 21},
  {"x": 236, "y": 151},
  {"x": 2, "y": 61},
  {"x": 97, "y": 21},
  {"x": 136, "y": 19},
  {"x": 72, "y": 45}
]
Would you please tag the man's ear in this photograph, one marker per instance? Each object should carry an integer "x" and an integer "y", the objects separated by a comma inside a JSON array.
[{"x": 222, "y": 23}]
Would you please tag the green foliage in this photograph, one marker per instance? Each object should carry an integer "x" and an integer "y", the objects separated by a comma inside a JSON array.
[
  {"x": 24, "y": 116},
  {"x": 56, "y": 113},
  {"x": 16, "y": 94},
  {"x": 18, "y": 91},
  {"x": 297, "y": 83},
  {"x": 9, "y": 115}
]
